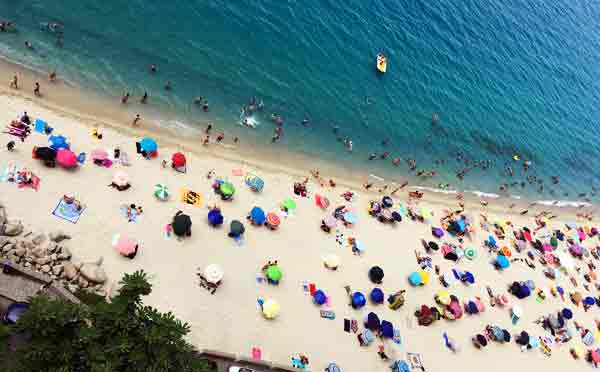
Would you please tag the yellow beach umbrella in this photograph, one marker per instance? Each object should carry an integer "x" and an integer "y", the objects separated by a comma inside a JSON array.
[
  {"x": 270, "y": 309},
  {"x": 424, "y": 276},
  {"x": 442, "y": 297},
  {"x": 426, "y": 213}
]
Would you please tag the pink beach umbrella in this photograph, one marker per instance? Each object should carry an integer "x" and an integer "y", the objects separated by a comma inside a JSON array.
[
  {"x": 66, "y": 158},
  {"x": 125, "y": 246},
  {"x": 330, "y": 221},
  {"x": 99, "y": 154}
]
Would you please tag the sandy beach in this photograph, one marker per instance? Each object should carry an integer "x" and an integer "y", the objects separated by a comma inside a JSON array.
[{"x": 230, "y": 320}]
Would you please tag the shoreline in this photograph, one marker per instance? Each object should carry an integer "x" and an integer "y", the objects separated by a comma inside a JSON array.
[{"x": 91, "y": 108}]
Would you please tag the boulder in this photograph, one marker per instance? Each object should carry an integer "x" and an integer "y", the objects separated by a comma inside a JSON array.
[
  {"x": 53, "y": 257},
  {"x": 4, "y": 240},
  {"x": 13, "y": 228},
  {"x": 38, "y": 252},
  {"x": 20, "y": 251},
  {"x": 83, "y": 283},
  {"x": 2, "y": 215},
  {"x": 57, "y": 270},
  {"x": 51, "y": 246},
  {"x": 45, "y": 269},
  {"x": 65, "y": 253},
  {"x": 72, "y": 288},
  {"x": 8, "y": 247},
  {"x": 27, "y": 264},
  {"x": 93, "y": 273},
  {"x": 39, "y": 238},
  {"x": 42, "y": 260},
  {"x": 70, "y": 271},
  {"x": 58, "y": 236}
]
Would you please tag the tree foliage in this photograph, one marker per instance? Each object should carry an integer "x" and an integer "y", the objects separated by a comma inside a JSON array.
[{"x": 100, "y": 336}]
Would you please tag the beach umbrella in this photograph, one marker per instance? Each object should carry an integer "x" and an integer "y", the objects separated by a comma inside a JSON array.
[
  {"x": 424, "y": 276},
  {"x": 330, "y": 222},
  {"x": 349, "y": 217},
  {"x": 387, "y": 215},
  {"x": 530, "y": 284},
  {"x": 396, "y": 216},
  {"x": 534, "y": 342},
  {"x": 387, "y": 202},
  {"x": 178, "y": 159},
  {"x": 358, "y": 300},
  {"x": 376, "y": 274},
  {"x": 99, "y": 154},
  {"x": 467, "y": 277},
  {"x": 66, "y": 158},
  {"x": 258, "y": 215},
  {"x": 470, "y": 253},
  {"x": 274, "y": 273},
  {"x": 270, "y": 309},
  {"x": 236, "y": 228},
  {"x": 120, "y": 179},
  {"x": 321, "y": 201},
  {"x": 215, "y": 217},
  {"x": 376, "y": 296},
  {"x": 401, "y": 366},
  {"x": 331, "y": 261},
  {"x": 589, "y": 301},
  {"x": 387, "y": 329},
  {"x": 273, "y": 219},
  {"x": 332, "y": 367},
  {"x": 502, "y": 262},
  {"x": 523, "y": 338},
  {"x": 319, "y": 297},
  {"x": 125, "y": 246},
  {"x": 567, "y": 313},
  {"x": 595, "y": 356},
  {"x": 182, "y": 223},
  {"x": 471, "y": 308},
  {"x": 161, "y": 191},
  {"x": 58, "y": 142},
  {"x": 227, "y": 188},
  {"x": 213, "y": 273},
  {"x": 437, "y": 232},
  {"x": 481, "y": 340},
  {"x": 14, "y": 312},
  {"x": 289, "y": 204},
  {"x": 415, "y": 279},
  {"x": 44, "y": 153},
  {"x": 443, "y": 297},
  {"x": 373, "y": 323},
  {"x": 148, "y": 145}
]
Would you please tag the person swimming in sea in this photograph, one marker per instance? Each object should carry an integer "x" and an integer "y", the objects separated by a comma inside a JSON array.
[
  {"x": 397, "y": 161},
  {"x": 435, "y": 119},
  {"x": 168, "y": 85},
  {"x": 205, "y": 106},
  {"x": 372, "y": 156},
  {"x": 28, "y": 44},
  {"x": 305, "y": 122},
  {"x": 153, "y": 69},
  {"x": 412, "y": 164}
]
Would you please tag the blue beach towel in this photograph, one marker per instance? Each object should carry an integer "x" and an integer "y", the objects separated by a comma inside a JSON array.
[
  {"x": 67, "y": 212},
  {"x": 40, "y": 126}
]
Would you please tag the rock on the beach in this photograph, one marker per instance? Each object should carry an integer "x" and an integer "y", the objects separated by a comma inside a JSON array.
[
  {"x": 2, "y": 215},
  {"x": 82, "y": 282},
  {"x": 70, "y": 271},
  {"x": 57, "y": 270},
  {"x": 8, "y": 247},
  {"x": 65, "y": 253},
  {"x": 20, "y": 251},
  {"x": 58, "y": 236},
  {"x": 39, "y": 238},
  {"x": 93, "y": 273},
  {"x": 42, "y": 260},
  {"x": 13, "y": 228},
  {"x": 53, "y": 257},
  {"x": 4, "y": 240},
  {"x": 72, "y": 288},
  {"x": 38, "y": 252},
  {"x": 45, "y": 269}
]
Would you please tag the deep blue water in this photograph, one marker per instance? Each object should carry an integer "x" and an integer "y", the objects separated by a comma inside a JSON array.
[{"x": 505, "y": 77}]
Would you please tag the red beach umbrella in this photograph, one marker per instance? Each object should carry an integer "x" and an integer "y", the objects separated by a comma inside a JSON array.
[
  {"x": 178, "y": 159},
  {"x": 66, "y": 158}
]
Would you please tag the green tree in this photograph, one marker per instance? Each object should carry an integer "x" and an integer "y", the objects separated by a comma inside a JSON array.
[{"x": 99, "y": 336}]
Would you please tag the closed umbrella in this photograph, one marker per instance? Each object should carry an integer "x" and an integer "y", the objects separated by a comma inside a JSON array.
[
  {"x": 182, "y": 224},
  {"x": 376, "y": 274},
  {"x": 274, "y": 273},
  {"x": 148, "y": 145},
  {"x": 213, "y": 273},
  {"x": 273, "y": 219},
  {"x": 376, "y": 296},
  {"x": 161, "y": 192},
  {"x": 99, "y": 154},
  {"x": 120, "y": 179},
  {"x": 58, "y": 142},
  {"x": 289, "y": 204},
  {"x": 66, "y": 158},
  {"x": 387, "y": 329},
  {"x": 178, "y": 159},
  {"x": 258, "y": 215},
  {"x": 215, "y": 218},
  {"x": 270, "y": 309},
  {"x": 236, "y": 228}
]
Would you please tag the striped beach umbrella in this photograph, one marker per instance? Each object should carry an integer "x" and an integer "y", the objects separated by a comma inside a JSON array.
[{"x": 161, "y": 191}]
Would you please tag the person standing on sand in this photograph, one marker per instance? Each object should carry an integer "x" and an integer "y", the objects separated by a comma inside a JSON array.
[
  {"x": 208, "y": 128},
  {"x": 52, "y": 76},
  {"x": 15, "y": 82},
  {"x": 144, "y": 98},
  {"x": 36, "y": 90},
  {"x": 136, "y": 121},
  {"x": 125, "y": 98}
]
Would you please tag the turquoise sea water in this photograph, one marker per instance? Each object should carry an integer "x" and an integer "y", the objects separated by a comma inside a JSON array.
[{"x": 505, "y": 77}]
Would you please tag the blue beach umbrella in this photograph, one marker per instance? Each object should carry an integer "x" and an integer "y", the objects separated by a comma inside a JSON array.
[
  {"x": 376, "y": 296},
  {"x": 567, "y": 313},
  {"x": 58, "y": 142},
  {"x": 358, "y": 300},
  {"x": 467, "y": 278},
  {"x": 387, "y": 329},
  {"x": 373, "y": 323},
  {"x": 414, "y": 279},
  {"x": 215, "y": 218},
  {"x": 148, "y": 145},
  {"x": 502, "y": 262},
  {"x": 589, "y": 301},
  {"x": 319, "y": 297},
  {"x": 258, "y": 215},
  {"x": 401, "y": 366}
]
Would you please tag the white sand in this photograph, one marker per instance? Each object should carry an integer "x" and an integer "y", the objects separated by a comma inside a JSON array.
[{"x": 230, "y": 320}]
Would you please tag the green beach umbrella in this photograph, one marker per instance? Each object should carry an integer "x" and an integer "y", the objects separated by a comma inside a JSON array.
[
  {"x": 289, "y": 204},
  {"x": 227, "y": 188},
  {"x": 470, "y": 253},
  {"x": 161, "y": 191},
  {"x": 274, "y": 273}
]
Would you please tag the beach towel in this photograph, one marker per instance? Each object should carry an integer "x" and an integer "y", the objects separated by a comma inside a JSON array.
[
  {"x": 347, "y": 325},
  {"x": 327, "y": 314},
  {"x": 68, "y": 212},
  {"x": 8, "y": 175},
  {"x": 135, "y": 216},
  {"x": 415, "y": 361},
  {"x": 124, "y": 159},
  {"x": 191, "y": 197},
  {"x": 256, "y": 353},
  {"x": 35, "y": 183},
  {"x": 237, "y": 172}
]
